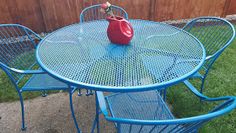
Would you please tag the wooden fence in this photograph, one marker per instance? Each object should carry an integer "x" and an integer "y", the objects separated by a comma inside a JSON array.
[{"x": 48, "y": 15}]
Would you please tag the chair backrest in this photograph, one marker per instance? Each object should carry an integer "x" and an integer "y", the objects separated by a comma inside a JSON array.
[
  {"x": 154, "y": 124},
  {"x": 17, "y": 48},
  {"x": 93, "y": 13},
  {"x": 214, "y": 33}
]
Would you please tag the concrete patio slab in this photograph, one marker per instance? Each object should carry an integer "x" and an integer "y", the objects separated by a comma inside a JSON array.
[{"x": 51, "y": 114}]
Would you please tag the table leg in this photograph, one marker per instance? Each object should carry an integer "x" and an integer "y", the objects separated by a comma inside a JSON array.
[
  {"x": 96, "y": 120},
  {"x": 72, "y": 110},
  {"x": 97, "y": 114}
]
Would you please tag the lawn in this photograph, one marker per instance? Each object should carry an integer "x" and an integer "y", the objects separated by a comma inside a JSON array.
[{"x": 220, "y": 82}]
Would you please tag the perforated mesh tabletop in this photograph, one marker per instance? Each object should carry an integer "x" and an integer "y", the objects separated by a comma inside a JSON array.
[{"x": 159, "y": 55}]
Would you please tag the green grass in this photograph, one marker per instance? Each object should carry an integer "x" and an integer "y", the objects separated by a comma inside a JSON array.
[
  {"x": 8, "y": 92},
  {"x": 220, "y": 82}
]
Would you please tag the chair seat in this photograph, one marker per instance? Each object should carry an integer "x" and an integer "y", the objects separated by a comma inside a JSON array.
[
  {"x": 43, "y": 82},
  {"x": 143, "y": 106}
]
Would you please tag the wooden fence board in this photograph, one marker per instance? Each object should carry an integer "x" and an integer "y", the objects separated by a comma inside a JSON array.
[
  {"x": 137, "y": 9},
  {"x": 232, "y": 7},
  {"x": 182, "y": 9},
  {"x": 5, "y": 13},
  {"x": 26, "y": 12},
  {"x": 58, "y": 13},
  {"x": 48, "y": 15}
]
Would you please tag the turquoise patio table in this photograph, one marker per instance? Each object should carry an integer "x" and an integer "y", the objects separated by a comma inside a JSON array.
[{"x": 158, "y": 56}]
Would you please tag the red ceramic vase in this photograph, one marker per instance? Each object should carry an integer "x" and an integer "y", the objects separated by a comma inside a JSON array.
[{"x": 119, "y": 30}]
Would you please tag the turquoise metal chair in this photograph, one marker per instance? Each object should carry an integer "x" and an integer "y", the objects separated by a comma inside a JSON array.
[
  {"x": 216, "y": 34},
  {"x": 147, "y": 112},
  {"x": 93, "y": 13},
  {"x": 17, "y": 60}
]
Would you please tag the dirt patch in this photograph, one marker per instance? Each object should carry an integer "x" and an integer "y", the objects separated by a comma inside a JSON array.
[{"x": 51, "y": 114}]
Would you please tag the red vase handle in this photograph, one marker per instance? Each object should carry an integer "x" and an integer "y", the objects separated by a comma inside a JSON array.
[{"x": 126, "y": 28}]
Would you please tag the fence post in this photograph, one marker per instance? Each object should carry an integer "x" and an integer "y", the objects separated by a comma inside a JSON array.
[
  {"x": 226, "y": 8},
  {"x": 152, "y": 10},
  {"x": 44, "y": 24}
]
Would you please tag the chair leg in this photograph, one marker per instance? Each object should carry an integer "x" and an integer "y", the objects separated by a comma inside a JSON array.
[
  {"x": 94, "y": 125},
  {"x": 80, "y": 93},
  {"x": 23, "y": 127},
  {"x": 164, "y": 94},
  {"x": 96, "y": 120},
  {"x": 118, "y": 128},
  {"x": 87, "y": 92},
  {"x": 202, "y": 85},
  {"x": 160, "y": 92},
  {"x": 91, "y": 92},
  {"x": 72, "y": 112},
  {"x": 97, "y": 114},
  {"x": 44, "y": 94}
]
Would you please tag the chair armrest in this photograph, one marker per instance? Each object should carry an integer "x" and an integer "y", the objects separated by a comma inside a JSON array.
[
  {"x": 209, "y": 57},
  {"x": 102, "y": 103},
  {"x": 194, "y": 20},
  {"x": 3, "y": 66},
  {"x": 205, "y": 98},
  {"x": 29, "y": 31},
  {"x": 28, "y": 71}
]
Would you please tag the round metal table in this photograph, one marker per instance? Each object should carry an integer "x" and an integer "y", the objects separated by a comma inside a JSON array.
[{"x": 158, "y": 56}]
